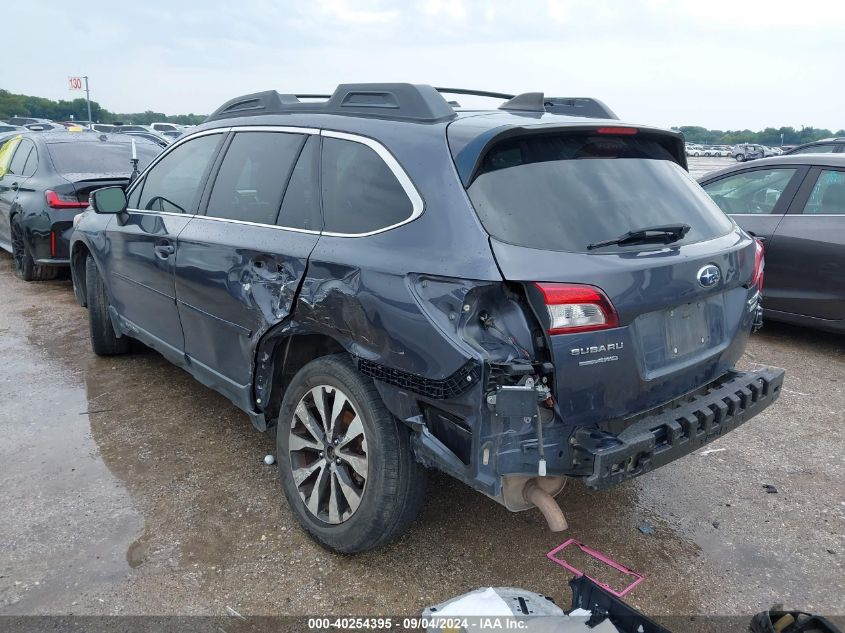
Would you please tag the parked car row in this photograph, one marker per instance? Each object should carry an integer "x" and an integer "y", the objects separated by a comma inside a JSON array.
[
  {"x": 693, "y": 149},
  {"x": 740, "y": 152},
  {"x": 384, "y": 295},
  {"x": 752, "y": 151},
  {"x": 45, "y": 181},
  {"x": 161, "y": 133}
]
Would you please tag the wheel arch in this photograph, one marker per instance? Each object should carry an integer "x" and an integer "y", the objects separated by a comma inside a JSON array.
[
  {"x": 282, "y": 352},
  {"x": 78, "y": 255}
]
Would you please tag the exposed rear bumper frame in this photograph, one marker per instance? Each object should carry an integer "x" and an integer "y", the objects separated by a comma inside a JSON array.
[{"x": 658, "y": 439}]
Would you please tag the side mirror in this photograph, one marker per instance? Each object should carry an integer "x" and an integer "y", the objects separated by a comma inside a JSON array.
[{"x": 109, "y": 200}]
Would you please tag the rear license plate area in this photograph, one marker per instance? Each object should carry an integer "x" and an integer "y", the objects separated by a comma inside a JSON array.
[
  {"x": 687, "y": 329},
  {"x": 674, "y": 335}
]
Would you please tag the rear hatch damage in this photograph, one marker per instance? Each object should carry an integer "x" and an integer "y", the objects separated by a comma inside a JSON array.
[{"x": 645, "y": 293}]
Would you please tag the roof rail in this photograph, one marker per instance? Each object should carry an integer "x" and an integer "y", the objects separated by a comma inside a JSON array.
[
  {"x": 579, "y": 106},
  {"x": 536, "y": 102},
  {"x": 400, "y": 101},
  {"x": 404, "y": 102},
  {"x": 476, "y": 93}
]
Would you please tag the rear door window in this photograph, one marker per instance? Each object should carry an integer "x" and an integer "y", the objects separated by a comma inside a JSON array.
[
  {"x": 301, "y": 206},
  {"x": 175, "y": 183},
  {"x": 21, "y": 156},
  {"x": 563, "y": 192},
  {"x": 750, "y": 192},
  {"x": 360, "y": 192},
  {"x": 7, "y": 151},
  {"x": 828, "y": 195},
  {"x": 253, "y": 176},
  {"x": 31, "y": 165}
]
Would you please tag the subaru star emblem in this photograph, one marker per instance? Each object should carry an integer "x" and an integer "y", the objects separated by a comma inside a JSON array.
[{"x": 709, "y": 276}]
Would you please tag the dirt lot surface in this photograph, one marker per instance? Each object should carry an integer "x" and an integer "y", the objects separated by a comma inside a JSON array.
[{"x": 128, "y": 488}]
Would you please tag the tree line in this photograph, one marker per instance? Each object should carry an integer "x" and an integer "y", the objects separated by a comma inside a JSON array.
[
  {"x": 771, "y": 137},
  {"x": 40, "y": 108}
]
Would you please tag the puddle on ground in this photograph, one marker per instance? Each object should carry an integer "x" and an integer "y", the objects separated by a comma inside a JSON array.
[{"x": 67, "y": 520}]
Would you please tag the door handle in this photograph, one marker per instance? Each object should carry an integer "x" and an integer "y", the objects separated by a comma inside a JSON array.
[
  {"x": 14, "y": 186},
  {"x": 164, "y": 250}
]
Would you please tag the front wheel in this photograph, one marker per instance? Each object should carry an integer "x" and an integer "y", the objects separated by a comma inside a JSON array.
[{"x": 345, "y": 462}]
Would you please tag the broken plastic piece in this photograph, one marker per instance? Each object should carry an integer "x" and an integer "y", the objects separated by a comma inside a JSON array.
[
  {"x": 638, "y": 578},
  {"x": 646, "y": 529}
]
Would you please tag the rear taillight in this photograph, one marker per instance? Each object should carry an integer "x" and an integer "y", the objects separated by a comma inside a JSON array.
[
  {"x": 759, "y": 265},
  {"x": 62, "y": 201},
  {"x": 577, "y": 308},
  {"x": 617, "y": 130}
]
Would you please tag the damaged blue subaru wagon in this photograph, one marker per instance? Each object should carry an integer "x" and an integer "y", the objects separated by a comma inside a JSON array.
[{"x": 389, "y": 282}]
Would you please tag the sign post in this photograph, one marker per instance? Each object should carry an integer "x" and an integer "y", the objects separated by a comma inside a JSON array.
[{"x": 75, "y": 83}]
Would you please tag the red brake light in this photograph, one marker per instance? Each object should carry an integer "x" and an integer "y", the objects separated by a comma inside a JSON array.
[
  {"x": 617, "y": 130},
  {"x": 61, "y": 201},
  {"x": 759, "y": 265},
  {"x": 577, "y": 308}
]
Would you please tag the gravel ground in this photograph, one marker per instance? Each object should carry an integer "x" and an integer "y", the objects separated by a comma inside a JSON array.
[{"x": 129, "y": 488}]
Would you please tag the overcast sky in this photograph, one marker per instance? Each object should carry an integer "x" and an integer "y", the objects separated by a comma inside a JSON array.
[{"x": 727, "y": 64}]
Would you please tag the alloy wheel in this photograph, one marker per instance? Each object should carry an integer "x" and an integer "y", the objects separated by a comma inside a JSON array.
[{"x": 327, "y": 446}]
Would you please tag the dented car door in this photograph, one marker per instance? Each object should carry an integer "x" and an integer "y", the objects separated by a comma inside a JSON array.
[{"x": 240, "y": 264}]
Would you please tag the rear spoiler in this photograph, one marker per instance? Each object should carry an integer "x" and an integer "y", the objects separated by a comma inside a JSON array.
[{"x": 468, "y": 152}]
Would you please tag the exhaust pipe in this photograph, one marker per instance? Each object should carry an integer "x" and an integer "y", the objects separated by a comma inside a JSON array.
[{"x": 533, "y": 493}]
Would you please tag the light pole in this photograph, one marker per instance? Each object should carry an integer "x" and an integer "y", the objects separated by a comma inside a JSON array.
[
  {"x": 781, "y": 139},
  {"x": 88, "y": 99}
]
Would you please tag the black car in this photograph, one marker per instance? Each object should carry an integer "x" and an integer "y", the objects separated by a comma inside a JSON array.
[
  {"x": 824, "y": 146},
  {"x": 513, "y": 296},
  {"x": 45, "y": 179},
  {"x": 796, "y": 205}
]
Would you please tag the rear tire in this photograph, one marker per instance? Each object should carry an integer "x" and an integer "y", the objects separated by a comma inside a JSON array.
[
  {"x": 739, "y": 158},
  {"x": 350, "y": 513},
  {"x": 104, "y": 341},
  {"x": 25, "y": 266}
]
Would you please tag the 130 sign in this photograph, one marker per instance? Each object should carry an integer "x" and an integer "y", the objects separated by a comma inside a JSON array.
[{"x": 75, "y": 83}]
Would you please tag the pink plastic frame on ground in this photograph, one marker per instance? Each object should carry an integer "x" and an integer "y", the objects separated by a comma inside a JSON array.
[{"x": 638, "y": 578}]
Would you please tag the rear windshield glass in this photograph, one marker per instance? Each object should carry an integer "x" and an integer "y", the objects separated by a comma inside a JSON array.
[
  {"x": 100, "y": 157},
  {"x": 564, "y": 192}
]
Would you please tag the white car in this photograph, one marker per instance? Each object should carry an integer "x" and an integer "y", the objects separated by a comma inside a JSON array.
[
  {"x": 695, "y": 150},
  {"x": 162, "y": 126}
]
